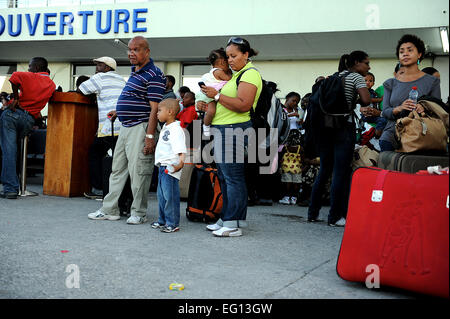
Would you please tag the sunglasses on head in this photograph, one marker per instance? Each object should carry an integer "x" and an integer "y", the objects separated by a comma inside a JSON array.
[{"x": 235, "y": 40}]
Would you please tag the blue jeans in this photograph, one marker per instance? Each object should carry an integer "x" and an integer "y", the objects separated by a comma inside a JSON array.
[
  {"x": 13, "y": 127},
  {"x": 386, "y": 146},
  {"x": 336, "y": 155},
  {"x": 228, "y": 155},
  {"x": 378, "y": 120},
  {"x": 168, "y": 199}
]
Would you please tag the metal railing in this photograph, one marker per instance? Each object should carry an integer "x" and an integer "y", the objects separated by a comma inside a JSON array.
[{"x": 58, "y": 3}]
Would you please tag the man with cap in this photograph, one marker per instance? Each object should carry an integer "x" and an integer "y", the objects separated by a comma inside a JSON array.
[{"x": 108, "y": 86}]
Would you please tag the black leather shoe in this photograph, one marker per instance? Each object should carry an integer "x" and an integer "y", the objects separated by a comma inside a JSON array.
[
  {"x": 314, "y": 220},
  {"x": 9, "y": 195}
]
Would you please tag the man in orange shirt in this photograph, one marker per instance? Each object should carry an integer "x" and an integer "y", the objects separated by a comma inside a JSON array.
[{"x": 17, "y": 120}]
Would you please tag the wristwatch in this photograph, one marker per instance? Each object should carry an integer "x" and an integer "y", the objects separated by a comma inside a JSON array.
[
  {"x": 149, "y": 136},
  {"x": 216, "y": 97}
]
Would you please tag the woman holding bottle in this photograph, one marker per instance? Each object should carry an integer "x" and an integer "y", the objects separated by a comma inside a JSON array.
[{"x": 396, "y": 101}]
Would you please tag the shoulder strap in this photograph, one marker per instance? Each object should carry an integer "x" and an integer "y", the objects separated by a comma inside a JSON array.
[{"x": 238, "y": 79}]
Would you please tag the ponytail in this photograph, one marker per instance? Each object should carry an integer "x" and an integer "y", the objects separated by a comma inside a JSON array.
[
  {"x": 343, "y": 63},
  {"x": 347, "y": 61}
]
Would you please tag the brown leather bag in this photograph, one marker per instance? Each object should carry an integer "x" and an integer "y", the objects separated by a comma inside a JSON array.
[{"x": 421, "y": 133}]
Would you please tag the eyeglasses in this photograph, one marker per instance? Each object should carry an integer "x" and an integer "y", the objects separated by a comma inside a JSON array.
[{"x": 236, "y": 40}]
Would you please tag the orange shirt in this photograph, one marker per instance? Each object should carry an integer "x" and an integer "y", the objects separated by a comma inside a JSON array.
[{"x": 35, "y": 90}]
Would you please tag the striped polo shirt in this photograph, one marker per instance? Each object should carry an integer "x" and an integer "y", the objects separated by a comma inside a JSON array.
[
  {"x": 107, "y": 86},
  {"x": 144, "y": 86}
]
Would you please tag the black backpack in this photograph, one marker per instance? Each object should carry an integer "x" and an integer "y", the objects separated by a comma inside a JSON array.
[
  {"x": 268, "y": 112},
  {"x": 332, "y": 101}
]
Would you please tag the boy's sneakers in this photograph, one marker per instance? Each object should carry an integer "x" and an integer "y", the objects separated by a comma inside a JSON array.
[
  {"x": 339, "y": 223},
  {"x": 169, "y": 229},
  {"x": 285, "y": 200},
  {"x": 157, "y": 225},
  {"x": 293, "y": 200},
  {"x": 136, "y": 220},
  {"x": 227, "y": 232},
  {"x": 98, "y": 215}
]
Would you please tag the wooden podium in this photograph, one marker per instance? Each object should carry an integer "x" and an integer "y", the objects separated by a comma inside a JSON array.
[{"x": 71, "y": 127}]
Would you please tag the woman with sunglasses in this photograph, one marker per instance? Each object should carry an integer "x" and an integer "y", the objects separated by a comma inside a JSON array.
[{"x": 232, "y": 118}]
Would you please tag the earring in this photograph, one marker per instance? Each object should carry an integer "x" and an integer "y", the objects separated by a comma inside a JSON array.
[{"x": 418, "y": 62}]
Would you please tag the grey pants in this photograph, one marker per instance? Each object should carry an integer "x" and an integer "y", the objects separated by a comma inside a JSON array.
[{"x": 129, "y": 159}]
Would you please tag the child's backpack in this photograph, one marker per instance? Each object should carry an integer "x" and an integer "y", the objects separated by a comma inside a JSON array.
[
  {"x": 205, "y": 199},
  {"x": 269, "y": 112}
]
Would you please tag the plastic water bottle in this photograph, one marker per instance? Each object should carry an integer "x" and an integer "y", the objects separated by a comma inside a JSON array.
[
  {"x": 170, "y": 168},
  {"x": 414, "y": 94}
]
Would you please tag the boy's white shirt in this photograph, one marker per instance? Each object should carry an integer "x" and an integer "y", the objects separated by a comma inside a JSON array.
[{"x": 171, "y": 142}]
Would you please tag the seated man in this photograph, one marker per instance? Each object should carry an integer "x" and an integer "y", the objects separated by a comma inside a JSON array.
[{"x": 17, "y": 120}]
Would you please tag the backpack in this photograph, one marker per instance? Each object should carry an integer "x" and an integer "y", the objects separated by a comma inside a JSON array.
[
  {"x": 268, "y": 113},
  {"x": 205, "y": 199},
  {"x": 332, "y": 101}
]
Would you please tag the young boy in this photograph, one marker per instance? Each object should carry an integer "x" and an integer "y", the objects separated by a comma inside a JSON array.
[
  {"x": 372, "y": 114},
  {"x": 169, "y": 156}
]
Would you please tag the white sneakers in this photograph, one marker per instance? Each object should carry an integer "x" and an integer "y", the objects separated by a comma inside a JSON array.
[
  {"x": 136, "y": 220},
  {"x": 339, "y": 223},
  {"x": 288, "y": 201},
  {"x": 227, "y": 232},
  {"x": 293, "y": 200},
  {"x": 133, "y": 220},
  {"x": 213, "y": 227},
  {"x": 98, "y": 215},
  {"x": 285, "y": 200},
  {"x": 220, "y": 231}
]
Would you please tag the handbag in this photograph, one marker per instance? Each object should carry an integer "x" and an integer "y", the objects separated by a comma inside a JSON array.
[
  {"x": 417, "y": 133},
  {"x": 364, "y": 157},
  {"x": 291, "y": 162}
]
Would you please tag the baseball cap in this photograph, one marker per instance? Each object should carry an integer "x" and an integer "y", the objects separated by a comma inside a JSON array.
[{"x": 108, "y": 61}]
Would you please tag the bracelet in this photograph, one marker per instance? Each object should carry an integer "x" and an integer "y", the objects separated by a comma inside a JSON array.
[
  {"x": 149, "y": 136},
  {"x": 216, "y": 97}
]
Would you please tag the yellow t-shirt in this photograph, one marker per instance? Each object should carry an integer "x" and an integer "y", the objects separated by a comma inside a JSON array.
[{"x": 225, "y": 116}]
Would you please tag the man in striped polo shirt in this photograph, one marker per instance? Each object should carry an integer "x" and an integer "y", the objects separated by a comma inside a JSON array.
[
  {"x": 108, "y": 86},
  {"x": 134, "y": 153}
]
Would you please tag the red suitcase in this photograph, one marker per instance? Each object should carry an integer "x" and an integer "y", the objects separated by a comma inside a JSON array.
[{"x": 397, "y": 231}]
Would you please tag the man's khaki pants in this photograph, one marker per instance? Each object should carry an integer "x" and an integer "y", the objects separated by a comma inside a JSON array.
[{"x": 129, "y": 159}]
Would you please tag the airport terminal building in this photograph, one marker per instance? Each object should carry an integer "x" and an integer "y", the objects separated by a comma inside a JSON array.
[{"x": 297, "y": 40}]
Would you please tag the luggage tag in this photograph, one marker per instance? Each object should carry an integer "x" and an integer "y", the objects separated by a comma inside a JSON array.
[
  {"x": 377, "y": 196},
  {"x": 377, "y": 193}
]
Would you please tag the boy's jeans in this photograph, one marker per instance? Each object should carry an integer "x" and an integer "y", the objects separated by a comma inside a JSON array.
[
  {"x": 168, "y": 199},
  {"x": 13, "y": 127}
]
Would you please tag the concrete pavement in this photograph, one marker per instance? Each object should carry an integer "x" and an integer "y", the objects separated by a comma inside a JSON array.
[{"x": 48, "y": 243}]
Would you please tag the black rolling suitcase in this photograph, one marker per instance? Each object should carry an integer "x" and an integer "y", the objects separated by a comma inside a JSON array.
[
  {"x": 126, "y": 198},
  {"x": 410, "y": 163}
]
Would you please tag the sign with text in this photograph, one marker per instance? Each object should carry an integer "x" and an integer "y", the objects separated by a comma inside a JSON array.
[{"x": 70, "y": 24}]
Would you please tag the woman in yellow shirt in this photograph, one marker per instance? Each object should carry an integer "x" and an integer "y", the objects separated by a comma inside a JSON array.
[{"x": 228, "y": 126}]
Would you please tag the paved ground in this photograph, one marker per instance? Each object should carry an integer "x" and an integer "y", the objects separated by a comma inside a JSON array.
[{"x": 46, "y": 240}]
